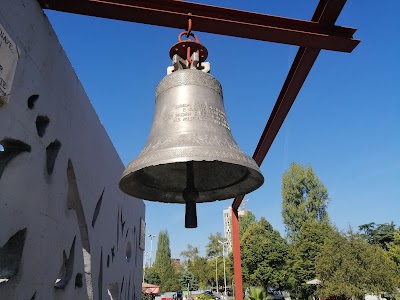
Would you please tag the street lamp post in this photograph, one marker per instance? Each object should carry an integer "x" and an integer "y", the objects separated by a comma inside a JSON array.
[
  {"x": 144, "y": 263},
  {"x": 223, "y": 256},
  {"x": 151, "y": 245},
  {"x": 216, "y": 272}
]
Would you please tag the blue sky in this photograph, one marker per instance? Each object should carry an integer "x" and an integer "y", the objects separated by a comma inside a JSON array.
[{"x": 345, "y": 121}]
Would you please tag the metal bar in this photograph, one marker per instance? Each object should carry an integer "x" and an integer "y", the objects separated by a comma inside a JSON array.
[
  {"x": 212, "y": 19},
  {"x": 236, "y": 255},
  {"x": 302, "y": 65}
]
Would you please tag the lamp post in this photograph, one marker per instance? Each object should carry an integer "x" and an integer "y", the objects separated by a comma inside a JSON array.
[
  {"x": 223, "y": 256},
  {"x": 144, "y": 263},
  {"x": 216, "y": 272},
  {"x": 151, "y": 245}
]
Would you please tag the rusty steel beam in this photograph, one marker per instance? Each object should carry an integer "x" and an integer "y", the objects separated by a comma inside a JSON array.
[{"x": 213, "y": 19}]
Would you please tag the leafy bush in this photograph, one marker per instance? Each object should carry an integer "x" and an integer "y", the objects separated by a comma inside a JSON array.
[{"x": 258, "y": 294}]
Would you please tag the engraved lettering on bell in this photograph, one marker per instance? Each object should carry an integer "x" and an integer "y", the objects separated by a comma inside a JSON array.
[{"x": 190, "y": 147}]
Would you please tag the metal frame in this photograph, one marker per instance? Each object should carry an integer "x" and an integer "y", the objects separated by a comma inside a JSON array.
[
  {"x": 212, "y": 19},
  {"x": 312, "y": 36}
]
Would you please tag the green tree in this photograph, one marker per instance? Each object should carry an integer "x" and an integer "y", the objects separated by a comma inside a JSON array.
[
  {"x": 151, "y": 276},
  {"x": 189, "y": 254},
  {"x": 350, "y": 267},
  {"x": 202, "y": 271},
  {"x": 163, "y": 264},
  {"x": 394, "y": 249},
  {"x": 304, "y": 198},
  {"x": 378, "y": 234},
  {"x": 245, "y": 220},
  {"x": 186, "y": 279},
  {"x": 394, "y": 253},
  {"x": 264, "y": 254},
  {"x": 303, "y": 254},
  {"x": 214, "y": 247}
]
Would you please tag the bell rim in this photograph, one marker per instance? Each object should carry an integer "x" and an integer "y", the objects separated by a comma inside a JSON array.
[{"x": 254, "y": 180}]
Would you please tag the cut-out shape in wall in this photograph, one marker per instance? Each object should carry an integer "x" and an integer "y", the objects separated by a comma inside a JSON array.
[
  {"x": 122, "y": 223},
  {"x": 128, "y": 253},
  {"x": 31, "y": 101},
  {"x": 122, "y": 228},
  {"x": 135, "y": 238},
  {"x": 108, "y": 260},
  {"x": 97, "y": 209},
  {"x": 112, "y": 253},
  {"x": 78, "y": 280},
  {"x": 113, "y": 291},
  {"x": 51, "y": 155},
  {"x": 41, "y": 125},
  {"x": 129, "y": 289},
  {"x": 118, "y": 227},
  {"x": 126, "y": 235},
  {"x": 11, "y": 149},
  {"x": 11, "y": 255},
  {"x": 100, "y": 278},
  {"x": 122, "y": 285},
  {"x": 34, "y": 296},
  {"x": 66, "y": 269},
  {"x": 74, "y": 202}
]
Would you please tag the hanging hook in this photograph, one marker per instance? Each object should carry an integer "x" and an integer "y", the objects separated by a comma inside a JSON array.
[
  {"x": 190, "y": 24},
  {"x": 190, "y": 50}
]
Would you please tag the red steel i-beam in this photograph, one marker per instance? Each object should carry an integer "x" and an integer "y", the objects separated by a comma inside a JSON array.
[
  {"x": 213, "y": 19},
  {"x": 326, "y": 13}
]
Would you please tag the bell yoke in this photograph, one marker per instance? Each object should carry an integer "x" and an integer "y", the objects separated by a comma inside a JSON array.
[{"x": 190, "y": 156}]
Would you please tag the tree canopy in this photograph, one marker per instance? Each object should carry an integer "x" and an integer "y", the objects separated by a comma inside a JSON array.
[
  {"x": 303, "y": 254},
  {"x": 394, "y": 249},
  {"x": 378, "y": 234},
  {"x": 163, "y": 265},
  {"x": 350, "y": 267},
  {"x": 189, "y": 254},
  {"x": 187, "y": 280},
  {"x": 304, "y": 198},
  {"x": 245, "y": 220},
  {"x": 214, "y": 247},
  {"x": 264, "y": 254}
]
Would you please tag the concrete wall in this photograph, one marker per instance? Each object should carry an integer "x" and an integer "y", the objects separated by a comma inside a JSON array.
[{"x": 66, "y": 230}]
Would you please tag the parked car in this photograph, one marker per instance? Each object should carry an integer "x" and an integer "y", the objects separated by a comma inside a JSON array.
[
  {"x": 177, "y": 295},
  {"x": 275, "y": 293},
  {"x": 229, "y": 292}
]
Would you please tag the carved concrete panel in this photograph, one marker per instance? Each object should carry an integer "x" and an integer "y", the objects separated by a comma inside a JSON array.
[{"x": 66, "y": 230}]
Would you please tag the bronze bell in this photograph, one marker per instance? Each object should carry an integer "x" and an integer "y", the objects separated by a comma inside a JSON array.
[{"x": 190, "y": 156}]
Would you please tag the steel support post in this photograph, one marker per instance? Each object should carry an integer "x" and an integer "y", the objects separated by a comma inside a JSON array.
[{"x": 236, "y": 255}]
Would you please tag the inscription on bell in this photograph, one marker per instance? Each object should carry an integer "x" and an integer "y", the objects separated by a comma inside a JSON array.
[{"x": 197, "y": 112}]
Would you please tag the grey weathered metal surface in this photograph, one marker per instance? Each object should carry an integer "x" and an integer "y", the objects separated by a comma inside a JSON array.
[{"x": 190, "y": 125}]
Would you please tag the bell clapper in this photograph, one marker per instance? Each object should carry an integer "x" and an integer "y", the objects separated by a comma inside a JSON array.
[{"x": 190, "y": 194}]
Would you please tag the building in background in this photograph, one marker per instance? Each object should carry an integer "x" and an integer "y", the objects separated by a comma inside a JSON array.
[{"x": 228, "y": 222}]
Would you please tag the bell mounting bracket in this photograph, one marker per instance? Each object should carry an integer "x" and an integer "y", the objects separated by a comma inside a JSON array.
[{"x": 188, "y": 54}]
